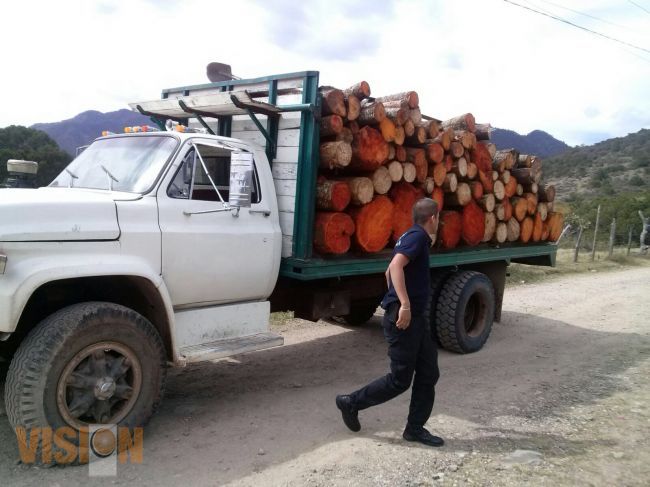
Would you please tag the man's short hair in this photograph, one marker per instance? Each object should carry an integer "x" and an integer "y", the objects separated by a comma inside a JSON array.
[{"x": 424, "y": 209}]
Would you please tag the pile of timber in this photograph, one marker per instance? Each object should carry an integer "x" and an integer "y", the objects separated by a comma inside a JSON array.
[{"x": 378, "y": 156}]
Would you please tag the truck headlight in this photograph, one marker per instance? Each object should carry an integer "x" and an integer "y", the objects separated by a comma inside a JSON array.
[{"x": 3, "y": 263}]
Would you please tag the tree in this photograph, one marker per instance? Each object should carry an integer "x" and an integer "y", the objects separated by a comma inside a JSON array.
[{"x": 17, "y": 142}]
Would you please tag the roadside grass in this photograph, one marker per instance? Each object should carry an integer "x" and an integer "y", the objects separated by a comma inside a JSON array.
[{"x": 527, "y": 274}]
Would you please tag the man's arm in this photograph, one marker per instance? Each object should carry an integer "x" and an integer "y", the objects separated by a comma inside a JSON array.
[{"x": 396, "y": 273}]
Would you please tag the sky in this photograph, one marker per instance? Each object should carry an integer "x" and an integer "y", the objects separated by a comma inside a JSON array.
[{"x": 508, "y": 66}]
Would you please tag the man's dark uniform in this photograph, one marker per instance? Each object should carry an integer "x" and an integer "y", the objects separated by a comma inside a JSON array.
[{"x": 411, "y": 351}]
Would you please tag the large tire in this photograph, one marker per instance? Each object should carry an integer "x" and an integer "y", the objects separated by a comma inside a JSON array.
[
  {"x": 54, "y": 378},
  {"x": 438, "y": 279},
  {"x": 360, "y": 312},
  {"x": 465, "y": 312}
]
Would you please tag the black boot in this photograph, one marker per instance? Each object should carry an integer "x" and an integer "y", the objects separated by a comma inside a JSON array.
[
  {"x": 349, "y": 412},
  {"x": 421, "y": 435}
]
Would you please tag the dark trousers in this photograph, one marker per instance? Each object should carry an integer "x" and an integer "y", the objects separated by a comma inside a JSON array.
[{"x": 411, "y": 351}]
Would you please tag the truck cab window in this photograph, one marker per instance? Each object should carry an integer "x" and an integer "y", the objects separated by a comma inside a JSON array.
[{"x": 192, "y": 182}]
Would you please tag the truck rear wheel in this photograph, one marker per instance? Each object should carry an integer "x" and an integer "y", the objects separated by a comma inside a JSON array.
[
  {"x": 438, "y": 279},
  {"x": 465, "y": 312},
  {"x": 90, "y": 363},
  {"x": 360, "y": 312}
]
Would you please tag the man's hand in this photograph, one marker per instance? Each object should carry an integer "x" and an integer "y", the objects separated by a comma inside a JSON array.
[{"x": 403, "y": 318}]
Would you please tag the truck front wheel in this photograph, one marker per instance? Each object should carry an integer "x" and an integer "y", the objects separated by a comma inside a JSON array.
[
  {"x": 361, "y": 312},
  {"x": 465, "y": 312},
  {"x": 90, "y": 363}
]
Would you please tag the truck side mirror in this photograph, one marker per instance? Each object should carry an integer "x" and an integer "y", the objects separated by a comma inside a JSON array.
[{"x": 241, "y": 179}]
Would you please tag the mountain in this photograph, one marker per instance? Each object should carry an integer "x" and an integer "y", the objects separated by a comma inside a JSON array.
[
  {"x": 87, "y": 126},
  {"x": 609, "y": 167},
  {"x": 536, "y": 142}
]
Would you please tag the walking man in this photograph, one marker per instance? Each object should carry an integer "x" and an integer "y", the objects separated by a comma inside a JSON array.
[{"x": 410, "y": 346}]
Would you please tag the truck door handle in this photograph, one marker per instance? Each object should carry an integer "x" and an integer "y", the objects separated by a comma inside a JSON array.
[{"x": 263, "y": 212}]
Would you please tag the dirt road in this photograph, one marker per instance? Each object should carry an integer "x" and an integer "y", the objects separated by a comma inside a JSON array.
[{"x": 565, "y": 377}]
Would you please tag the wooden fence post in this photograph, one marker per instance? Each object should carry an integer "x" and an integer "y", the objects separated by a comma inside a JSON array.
[
  {"x": 629, "y": 241},
  {"x": 575, "y": 254},
  {"x": 612, "y": 237},
  {"x": 593, "y": 247}
]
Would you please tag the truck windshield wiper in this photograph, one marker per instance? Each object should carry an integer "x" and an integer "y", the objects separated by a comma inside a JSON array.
[
  {"x": 111, "y": 178},
  {"x": 73, "y": 176}
]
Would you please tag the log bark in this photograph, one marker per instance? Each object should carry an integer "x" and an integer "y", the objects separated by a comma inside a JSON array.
[
  {"x": 524, "y": 160},
  {"x": 546, "y": 193},
  {"x": 374, "y": 224},
  {"x": 371, "y": 114},
  {"x": 395, "y": 171},
  {"x": 477, "y": 190},
  {"x": 526, "y": 226},
  {"x": 398, "y": 114},
  {"x": 482, "y": 131},
  {"x": 354, "y": 127},
  {"x": 526, "y": 175},
  {"x": 487, "y": 202},
  {"x": 332, "y": 195},
  {"x": 435, "y": 152},
  {"x": 459, "y": 167},
  {"x": 490, "y": 227},
  {"x": 387, "y": 129},
  {"x": 409, "y": 172},
  {"x": 438, "y": 172},
  {"x": 415, "y": 115},
  {"x": 381, "y": 180},
  {"x": 462, "y": 122},
  {"x": 333, "y": 103},
  {"x": 449, "y": 229},
  {"x": 335, "y": 155},
  {"x": 369, "y": 150},
  {"x": 450, "y": 184},
  {"x": 473, "y": 224},
  {"x": 410, "y": 98},
  {"x": 501, "y": 160},
  {"x": 514, "y": 230},
  {"x": 509, "y": 156},
  {"x": 331, "y": 125},
  {"x": 499, "y": 190},
  {"x": 353, "y": 107},
  {"x": 461, "y": 197},
  {"x": 332, "y": 232},
  {"x": 472, "y": 170},
  {"x": 361, "y": 90}
]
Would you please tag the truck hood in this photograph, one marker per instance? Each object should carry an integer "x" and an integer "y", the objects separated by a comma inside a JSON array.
[{"x": 59, "y": 214}]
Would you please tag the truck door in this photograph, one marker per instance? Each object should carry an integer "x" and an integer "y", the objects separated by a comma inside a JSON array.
[{"x": 208, "y": 256}]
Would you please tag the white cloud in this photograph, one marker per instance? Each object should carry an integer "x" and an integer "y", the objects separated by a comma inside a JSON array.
[{"x": 508, "y": 66}]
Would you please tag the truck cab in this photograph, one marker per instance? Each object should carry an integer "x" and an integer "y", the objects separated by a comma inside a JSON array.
[{"x": 149, "y": 248}]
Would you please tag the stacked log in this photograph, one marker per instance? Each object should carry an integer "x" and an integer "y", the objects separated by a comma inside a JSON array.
[{"x": 378, "y": 156}]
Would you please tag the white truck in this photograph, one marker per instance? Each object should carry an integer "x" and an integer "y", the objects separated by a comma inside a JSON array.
[{"x": 163, "y": 247}]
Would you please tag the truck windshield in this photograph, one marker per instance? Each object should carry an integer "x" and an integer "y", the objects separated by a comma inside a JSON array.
[{"x": 129, "y": 164}]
